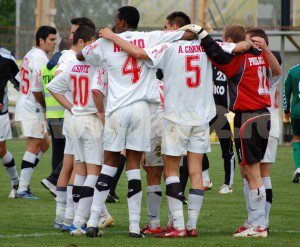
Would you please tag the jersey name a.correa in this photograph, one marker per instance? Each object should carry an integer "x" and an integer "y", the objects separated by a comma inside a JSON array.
[
  {"x": 129, "y": 79},
  {"x": 77, "y": 78},
  {"x": 248, "y": 76},
  {"x": 188, "y": 85},
  {"x": 30, "y": 81}
]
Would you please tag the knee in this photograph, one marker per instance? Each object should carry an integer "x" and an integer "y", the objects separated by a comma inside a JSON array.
[
  {"x": 2, "y": 151},
  {"x": 45, "y": 145}
]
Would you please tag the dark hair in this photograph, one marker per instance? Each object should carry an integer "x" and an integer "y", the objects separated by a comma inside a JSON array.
[
  {"x": 65, "y": 44},
  {"x": 236, "y": 32},
  {"x": 278, "y": 57},
  {"x": 83, "y": 21},
  {"x": 85, "y": 33},
  {"x": 43, "y": 33},
  {"x": 179, "y": 18},
  {"x": 130, "y": 15},
  {"x": 257, "y": 32}
]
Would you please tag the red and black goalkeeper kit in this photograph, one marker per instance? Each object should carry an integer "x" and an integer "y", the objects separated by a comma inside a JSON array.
[{"x": 248, "y": 84}]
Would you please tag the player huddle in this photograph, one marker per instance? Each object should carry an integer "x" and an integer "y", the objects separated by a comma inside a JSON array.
[{"x": 114, "y": 103}]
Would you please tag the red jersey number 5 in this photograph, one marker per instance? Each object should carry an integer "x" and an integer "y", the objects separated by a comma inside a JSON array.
[
  {"x": 192, "y": 65},
  {"x": 131, "y": 67}
]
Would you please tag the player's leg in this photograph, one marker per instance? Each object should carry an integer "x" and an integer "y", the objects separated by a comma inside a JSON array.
[
  {"x": 58, "y": 146},
  {"x": 112, "y": 196},
  {"x": 184, "y": 175},
  {"x": 228, "y": 156},
  {"x": 207, "y": 183},
  {"x": 27, "y": 166},
  {"x": 64, "y": 200},
  {"x": 296, "y": 154}
]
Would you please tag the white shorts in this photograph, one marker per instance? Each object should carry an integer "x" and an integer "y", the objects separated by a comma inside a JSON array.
[
  {"x": 271, "y": 151},
  {"x": 179, "y": 139},
  {"x": 128, "y": 128},
  {"x": 34, "y": 127},
  {"x": 86, "y": 133},
  {"x": 69, "y": 142},
  {"x": 5, "y": 128},
  {"x": 154, "y": 157}
]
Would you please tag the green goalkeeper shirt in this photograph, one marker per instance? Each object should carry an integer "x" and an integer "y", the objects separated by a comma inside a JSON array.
[{"x": 292, "y": 87}]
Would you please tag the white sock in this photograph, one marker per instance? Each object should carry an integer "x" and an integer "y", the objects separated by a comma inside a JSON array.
[
  {"x": 104, "y": 211},
  {"x": 134, "y": 199},
  {"x": 153, "y": 199},
  {"x": 100, "y": 193},
  {"x": 26, "y": 171},
  {"x": 9, "y": 163},
  {"x": 69, "y": 215},
  {"x": 77, "y": 187},
  {"x": 205, "y": 175},
  {"x": 170, "y": 219},
  {"x": 195, "y": 200},
  {"x": 232, "y": 166},
  {"x": 257, "y": 206},
  {"x": 85, "y": 202},
  {"x": 61, "y": 203},
  {"x": 247, "y": 199},
  {"x": 174, "y": 198},
  {"x": 269, "y": 198}
]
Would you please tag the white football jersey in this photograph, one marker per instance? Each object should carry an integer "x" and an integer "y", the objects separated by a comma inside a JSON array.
[
  {"x": 76, "y": 78},
  {"x": 129, "y": 79},
  {"x": 275, "y": 123},
  {"x": 188, "y": 84},
  {"x": 30, "y": 81},
  {"x": 100, "y": 81}
]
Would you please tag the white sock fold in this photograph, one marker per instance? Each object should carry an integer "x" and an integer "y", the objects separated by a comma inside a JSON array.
[
  {"x": 195, "y": 200},
  {"x": 257, "y": 206},
  {"x": 153, "y": 200}
]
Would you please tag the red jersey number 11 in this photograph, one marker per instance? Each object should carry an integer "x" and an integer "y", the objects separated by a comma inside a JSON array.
[
  {"x": 131, "y": 67},
  {"x": 195, "y": 67}
]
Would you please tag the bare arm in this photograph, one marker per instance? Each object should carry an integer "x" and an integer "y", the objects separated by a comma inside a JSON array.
[
  {"x": 242, "y": 47},
  {"x": 274, "y": 64},
  {"x": 126, "y": 46},
  {"x": 62, "y": 100},
  {"x": 98, "y": 100},
  {"x": 39, "y": 97}
]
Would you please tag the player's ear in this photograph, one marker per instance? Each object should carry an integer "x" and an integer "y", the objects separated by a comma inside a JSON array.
[
  {"x": 42, "y": 41},
  {"x": 81, "y": 42}
]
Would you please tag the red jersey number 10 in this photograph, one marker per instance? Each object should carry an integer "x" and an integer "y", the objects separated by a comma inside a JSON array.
[
  {"x": 131, "y": 67},
  {"x": 80, "y": 90},
  {"x": 192, "y": 64}
]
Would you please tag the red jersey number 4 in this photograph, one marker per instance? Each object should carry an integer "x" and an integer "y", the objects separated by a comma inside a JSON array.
[
  {"x": 131, "y": 67},
  {"x": 192, "y": 65},
  {"x": 80, "y": 90}
]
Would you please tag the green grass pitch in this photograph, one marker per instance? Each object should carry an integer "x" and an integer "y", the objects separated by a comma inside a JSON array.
[{"x": 29, "y": 223}]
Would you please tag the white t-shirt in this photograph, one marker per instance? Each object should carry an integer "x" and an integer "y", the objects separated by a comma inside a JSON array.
[
  {"x": 67, "y": 57},
  {"x": 76, "y": 78},
  {"x": 188, "y": 84},
  {"x": 275, "y": 123},
  {"x": 30, "y": 81},
  {"x": 129, "y": 79}
]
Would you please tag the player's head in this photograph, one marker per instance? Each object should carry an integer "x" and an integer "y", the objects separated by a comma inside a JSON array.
[
  {"x": 65, "y": 44},
  {"x": 257, "y": 32},
  {"x": 177, "y": 20},
  {"x": 234, "y": 33},
  {"x": 83, "y": 36},
  {"x": 127, "y": 17},
  {"x": 45, "y": 38},
  {"x": 81, "y": 21}
]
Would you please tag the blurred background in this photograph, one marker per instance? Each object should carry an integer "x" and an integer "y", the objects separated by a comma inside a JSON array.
[{"x": 280, "y": 18}]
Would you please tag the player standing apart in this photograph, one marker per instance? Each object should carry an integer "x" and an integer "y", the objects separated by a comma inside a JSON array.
[{"x": 30, "y": 108}]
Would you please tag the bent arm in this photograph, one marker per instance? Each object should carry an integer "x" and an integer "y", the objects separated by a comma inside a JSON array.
[
  {"x": 62, "y": 100},
  {"x": 39, "y": 97},
  {"x": 242, "y": 47}
]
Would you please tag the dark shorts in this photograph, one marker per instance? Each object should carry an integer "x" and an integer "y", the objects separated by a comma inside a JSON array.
[
  {"x": 295, "y": 125},
  {"x": 251, "y": 133}
]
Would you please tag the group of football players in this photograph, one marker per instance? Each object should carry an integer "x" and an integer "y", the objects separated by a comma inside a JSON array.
[{"x": 147, "y": 98}]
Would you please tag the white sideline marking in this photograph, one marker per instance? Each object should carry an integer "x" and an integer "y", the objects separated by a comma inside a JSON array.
[{"x": 113, "y": 232}]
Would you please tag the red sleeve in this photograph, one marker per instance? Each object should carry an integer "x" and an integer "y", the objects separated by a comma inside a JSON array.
[{"x": 232, "y": 68}]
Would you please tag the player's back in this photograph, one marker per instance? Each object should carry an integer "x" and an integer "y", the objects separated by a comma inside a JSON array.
[
  {"x": 30, "y": 79},
  {"x": 188, "y": 86},
  {"x": 130, "y": 80},
  {"x": 80, "y": 77}
]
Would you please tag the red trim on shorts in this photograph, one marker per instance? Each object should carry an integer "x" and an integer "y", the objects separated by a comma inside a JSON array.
[{"x": 244, "y": 162}]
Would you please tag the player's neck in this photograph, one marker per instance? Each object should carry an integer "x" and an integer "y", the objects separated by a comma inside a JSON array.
[{"x": 75, "y": 48}]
